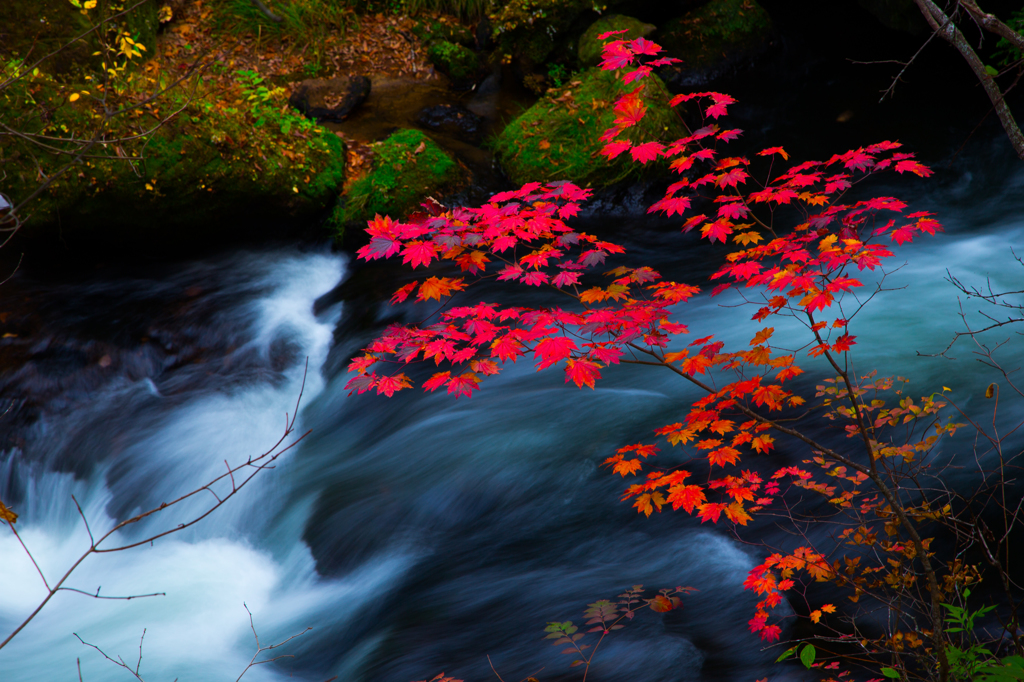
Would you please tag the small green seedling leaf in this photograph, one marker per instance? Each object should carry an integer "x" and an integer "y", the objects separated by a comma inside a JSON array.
[{"x": 807, "y": 655}]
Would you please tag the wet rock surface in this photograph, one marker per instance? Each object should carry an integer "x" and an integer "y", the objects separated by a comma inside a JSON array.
[
  {"x": 453, "y": 120},
  {"x": 330, "y": 100}
]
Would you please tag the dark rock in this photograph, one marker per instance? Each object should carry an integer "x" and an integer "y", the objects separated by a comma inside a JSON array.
[
  {"x": 898, "y": 15},
  {"x": 715, "y": 40},
  {"x": 330, "y": 100},
  {"x": 451, "y": 120}
]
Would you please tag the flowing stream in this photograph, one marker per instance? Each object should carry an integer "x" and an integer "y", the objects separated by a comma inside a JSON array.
[{"x": 416, "y": 534}]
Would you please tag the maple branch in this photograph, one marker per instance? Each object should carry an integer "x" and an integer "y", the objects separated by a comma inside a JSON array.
[{"x": 880, "y": 484}]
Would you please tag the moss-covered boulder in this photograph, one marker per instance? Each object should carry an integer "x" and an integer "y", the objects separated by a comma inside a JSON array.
[
  {"x": 590, "y": 47},
  {"x": 455, "y": 61},
  {"x": 558, "y": 137},
  {"x": 408, "y": 166},
  {"x": 214, "y": 171},
  {"x": 714, "y": 38}
]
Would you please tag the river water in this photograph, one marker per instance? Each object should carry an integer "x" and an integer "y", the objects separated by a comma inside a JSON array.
[{"x": 416, "y": 534}]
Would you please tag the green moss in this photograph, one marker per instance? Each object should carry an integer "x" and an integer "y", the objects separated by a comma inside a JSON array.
[
  {"x": 408, "y": 167},
  {"x": 590, "y": 47},
  {"x": 429, "y": 31},
  {"x": 458, "y": 62},
  {"x": 211, "y": 164},
  {"x": 701, "y": 37},
  {"x": 557, "y": 138}
]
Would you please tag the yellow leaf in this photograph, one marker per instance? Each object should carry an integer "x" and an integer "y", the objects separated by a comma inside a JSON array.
[
  {"x": 815, "y": 616},
  {"x": 747, "y": 237},
  {"x": 828, "y": 608},
  {"x": 6, "y": 514},
  {"x": 827, "y": 242},
  {"x": 73, "y": 97}
]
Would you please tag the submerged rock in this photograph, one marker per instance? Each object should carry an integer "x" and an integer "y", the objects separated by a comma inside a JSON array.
[
  {"x": 330, "y": 100},
  {"x": 452, "y": 120}
]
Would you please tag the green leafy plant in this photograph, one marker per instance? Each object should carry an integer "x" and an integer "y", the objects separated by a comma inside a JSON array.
[
  {"x": 262, "y": 99},
  {"x": 1006, "y": 53},
  {"x": 558, "y": 74},
  {"x": 968, "y": 659}
]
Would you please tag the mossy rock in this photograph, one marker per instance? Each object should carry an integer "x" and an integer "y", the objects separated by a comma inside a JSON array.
[
  {"x": 719, "y": 31},
  {"x": 590, "y": 47},
  {"x": 408, "y": 167},
  {"x": 457, "y": 62},
  {"x": 214, "y": 170},
  {"x": 558, "y": 137}
]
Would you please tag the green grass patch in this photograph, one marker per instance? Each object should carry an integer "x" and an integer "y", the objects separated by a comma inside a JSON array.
[{"x": 557, "y": 138}]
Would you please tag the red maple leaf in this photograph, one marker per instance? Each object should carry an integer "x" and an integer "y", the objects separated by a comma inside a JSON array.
[
  {"x": 688, "y": 497},
  {"x": 613, "y": 149},
  {"x": 718, "y": 230},
  {"x": 389, "y": 385},
  {"x": 535, "y": 278},
  {"x": 552, "y": 349},
  {"x": 565, "y": 278},
  {"x": 648, "y": 151},
  {"x": 506, "y": 348},
  {"x": 418, "y": 253},
  {"x": 436, "y": 381},
  {"x": 774, "y": 150},
  {"x": 464, "y": 384},
  {"x": 403, "y": 293},
  {"x": 582, "y": 372},
  {"x": 711, "y": 511}
]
